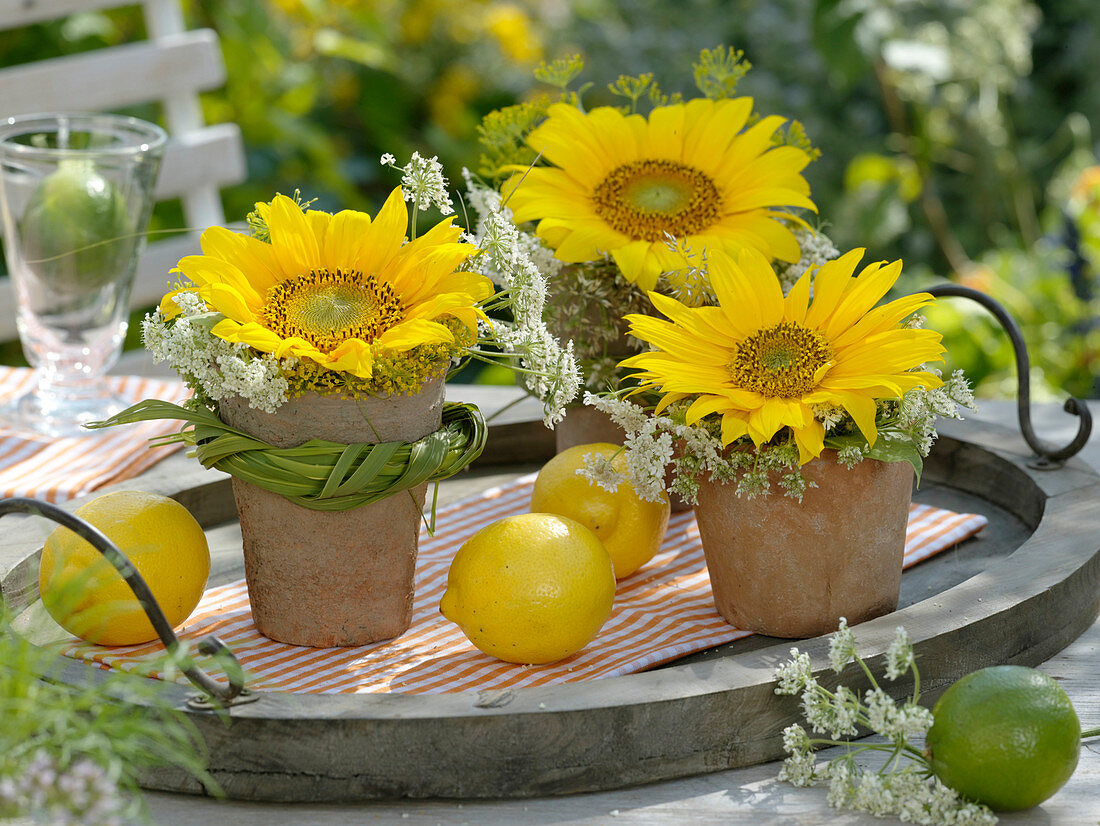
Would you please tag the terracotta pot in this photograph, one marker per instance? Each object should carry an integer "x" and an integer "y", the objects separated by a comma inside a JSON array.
[
  {"x": 790, "y": 569},
  {"x": 584, "y": 425},
  {"x": 331, "y": 578}
]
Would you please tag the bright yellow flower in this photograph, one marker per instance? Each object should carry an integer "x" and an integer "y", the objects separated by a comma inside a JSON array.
[
  {"x": 762, "y": 361},
  {"x": 336, "y": 289},
  {"x": 619, "y": 183}
]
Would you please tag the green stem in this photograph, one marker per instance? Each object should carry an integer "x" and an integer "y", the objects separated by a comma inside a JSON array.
[
  {"x": 867, "y": 671},
  {"x": 915, "y": 754},
  {"x": 1090, "y": 732}
]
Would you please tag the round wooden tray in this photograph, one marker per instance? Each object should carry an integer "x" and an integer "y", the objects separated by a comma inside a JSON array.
[{"x": 1026, "y": 587}]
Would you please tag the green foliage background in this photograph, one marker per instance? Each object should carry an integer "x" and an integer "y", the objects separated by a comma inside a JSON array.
[{"x": 952, "y": 133}]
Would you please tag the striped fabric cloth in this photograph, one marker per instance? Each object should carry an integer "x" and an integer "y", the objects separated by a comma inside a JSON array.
[
  {"x": 662, "y": 612},
  {"x": 56, "y": 469}
]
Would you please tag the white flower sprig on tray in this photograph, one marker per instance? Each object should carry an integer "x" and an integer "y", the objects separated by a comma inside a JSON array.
[{"x": 904, "y": 785}]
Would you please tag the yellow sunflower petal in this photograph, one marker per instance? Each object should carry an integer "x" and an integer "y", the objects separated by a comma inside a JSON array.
[
  {"x": 734, "y": 426},
  {"x": 204, "y": 271},
  {"x": 384, "y": 237},
  {"x": 353, "y": 357},
  {"x": 867, "y": 289},
  {"x": 798, "y": 300},
  {"x": 255, "y": 259},
  {"x": 830, "y": 283},
  {"x": 227, "y": 300},
  {"x": 862, "y": 409},
  {"x": 413, "y": 333},
  {"x": 342, "y": 240},
  {"x": 810, "y": 441},
  {"x": 292, "y": 237},
  {"x": 709, "y": 140}
]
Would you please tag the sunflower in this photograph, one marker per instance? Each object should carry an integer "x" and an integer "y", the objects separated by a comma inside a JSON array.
[
  {"x": 621, "y": 184},
  {"x": 763, "y": 362},
  {"x": 336, "y": 290}
]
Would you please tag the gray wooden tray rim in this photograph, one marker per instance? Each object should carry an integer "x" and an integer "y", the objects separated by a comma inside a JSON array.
[{"x": 703, "y": 716}]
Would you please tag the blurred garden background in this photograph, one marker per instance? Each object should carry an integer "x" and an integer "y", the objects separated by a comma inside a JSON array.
[{"x": 960, "y": 136}]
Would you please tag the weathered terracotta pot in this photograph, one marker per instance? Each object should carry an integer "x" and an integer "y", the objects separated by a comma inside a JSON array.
[
  {"x": 332, "y": 578},
  {"x": 584, "y": 425},
  {"x": 790, "y": 569}
]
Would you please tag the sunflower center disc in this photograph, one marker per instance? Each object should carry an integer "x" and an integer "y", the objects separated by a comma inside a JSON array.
[
  {"x": 327, "y": 308},
  {"x": 647, "y": 199},
  {"x": 780, "y": 361}
]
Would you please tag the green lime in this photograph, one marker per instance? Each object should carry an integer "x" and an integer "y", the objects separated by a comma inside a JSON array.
[
  {"x": 76, "y": 230},
  {"x": 1005, "y": 736}
]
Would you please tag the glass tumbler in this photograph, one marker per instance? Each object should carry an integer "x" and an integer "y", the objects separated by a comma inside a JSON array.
[{"x": 75, "y": 198}]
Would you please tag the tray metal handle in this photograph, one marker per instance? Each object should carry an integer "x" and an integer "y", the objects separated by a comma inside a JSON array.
[
  {"x": 219, "y": 694},
  {"x": 1049, "y": 456}
]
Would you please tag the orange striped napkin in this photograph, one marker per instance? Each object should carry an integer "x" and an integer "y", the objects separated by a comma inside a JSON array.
[
  {"x": 662, "y": 612},
  {"x": 56, "y": 469}
]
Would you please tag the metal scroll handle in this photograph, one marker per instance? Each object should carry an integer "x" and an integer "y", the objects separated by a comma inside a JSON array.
[
  {"x": 1049, "y": 455},
  {"x": 219, "y": 693}
]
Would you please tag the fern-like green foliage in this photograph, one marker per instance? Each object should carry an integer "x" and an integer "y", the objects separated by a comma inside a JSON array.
[
  {"x": 502, "y": 133},
  {"x": 634, "y": 87},
  {"x": 560, "y": 73},
  {"x": 718, "y": 71},
  {"x": 795, "y": 135}
]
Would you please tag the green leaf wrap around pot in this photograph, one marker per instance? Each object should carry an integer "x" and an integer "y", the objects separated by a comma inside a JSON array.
[{"x": 320, "y": 474}]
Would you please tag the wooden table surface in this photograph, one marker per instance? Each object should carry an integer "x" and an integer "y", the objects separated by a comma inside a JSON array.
[{"x": 748, "y": 795}]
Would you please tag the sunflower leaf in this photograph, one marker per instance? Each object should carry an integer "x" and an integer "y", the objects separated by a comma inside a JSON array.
[{"x": 885, "y": 450}]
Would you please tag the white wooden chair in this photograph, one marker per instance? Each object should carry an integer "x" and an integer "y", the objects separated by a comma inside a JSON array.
[{"x": 170, "y": 68}]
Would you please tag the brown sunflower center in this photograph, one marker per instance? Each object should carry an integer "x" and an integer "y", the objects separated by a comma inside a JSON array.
[
  {"x": 328, "y": 308},
  {"x": 646, "y": 199},
  {"x": 780, "y": 361}
]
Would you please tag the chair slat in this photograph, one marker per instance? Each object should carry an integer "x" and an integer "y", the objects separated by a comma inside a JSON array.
[
  {"x": 17, "y": 13},
  {"x": 212, "y": 155},
  {"x": 112, "y": 78}
]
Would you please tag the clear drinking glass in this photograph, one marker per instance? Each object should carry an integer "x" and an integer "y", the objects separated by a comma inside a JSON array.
[{"x": 75, "y": 198}]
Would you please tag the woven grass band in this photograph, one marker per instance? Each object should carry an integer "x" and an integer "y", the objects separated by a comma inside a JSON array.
[{"x": 319, "y": 474}]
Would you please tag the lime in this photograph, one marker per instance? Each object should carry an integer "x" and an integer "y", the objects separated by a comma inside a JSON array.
[
  {"x": 532, "y": 588},
  {"x": 631, "y": 528},
  {"x": 86, "y": 595},
  {"x": 76, "y": 230},
  {"x": 1005, "y": 736}
]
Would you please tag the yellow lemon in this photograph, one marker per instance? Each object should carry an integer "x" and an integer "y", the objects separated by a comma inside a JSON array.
[
  {"x": 533, "y": 588},
  {"x": 86, "y": 595},
  {"x": 1005, "y": 736},
  {"x": 631, "y": 528}
]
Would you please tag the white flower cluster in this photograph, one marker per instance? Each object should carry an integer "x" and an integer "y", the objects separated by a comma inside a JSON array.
[
  {"x": 901, "y": 789},
  {"x": 920, "y": 408},
  {"x": 905, "y": 793},
  {"x": 816, "y": 248},
  {"x": 520, "y": 265},
  {"x": 423, "y": 183},
  {"x": 81, "y": 794},
  {"x": 689, "y": 285},
  {"x": 650, "y": 457},
  {"x": 212, "y": 367},
  {"x": 648, "y": 447}
]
